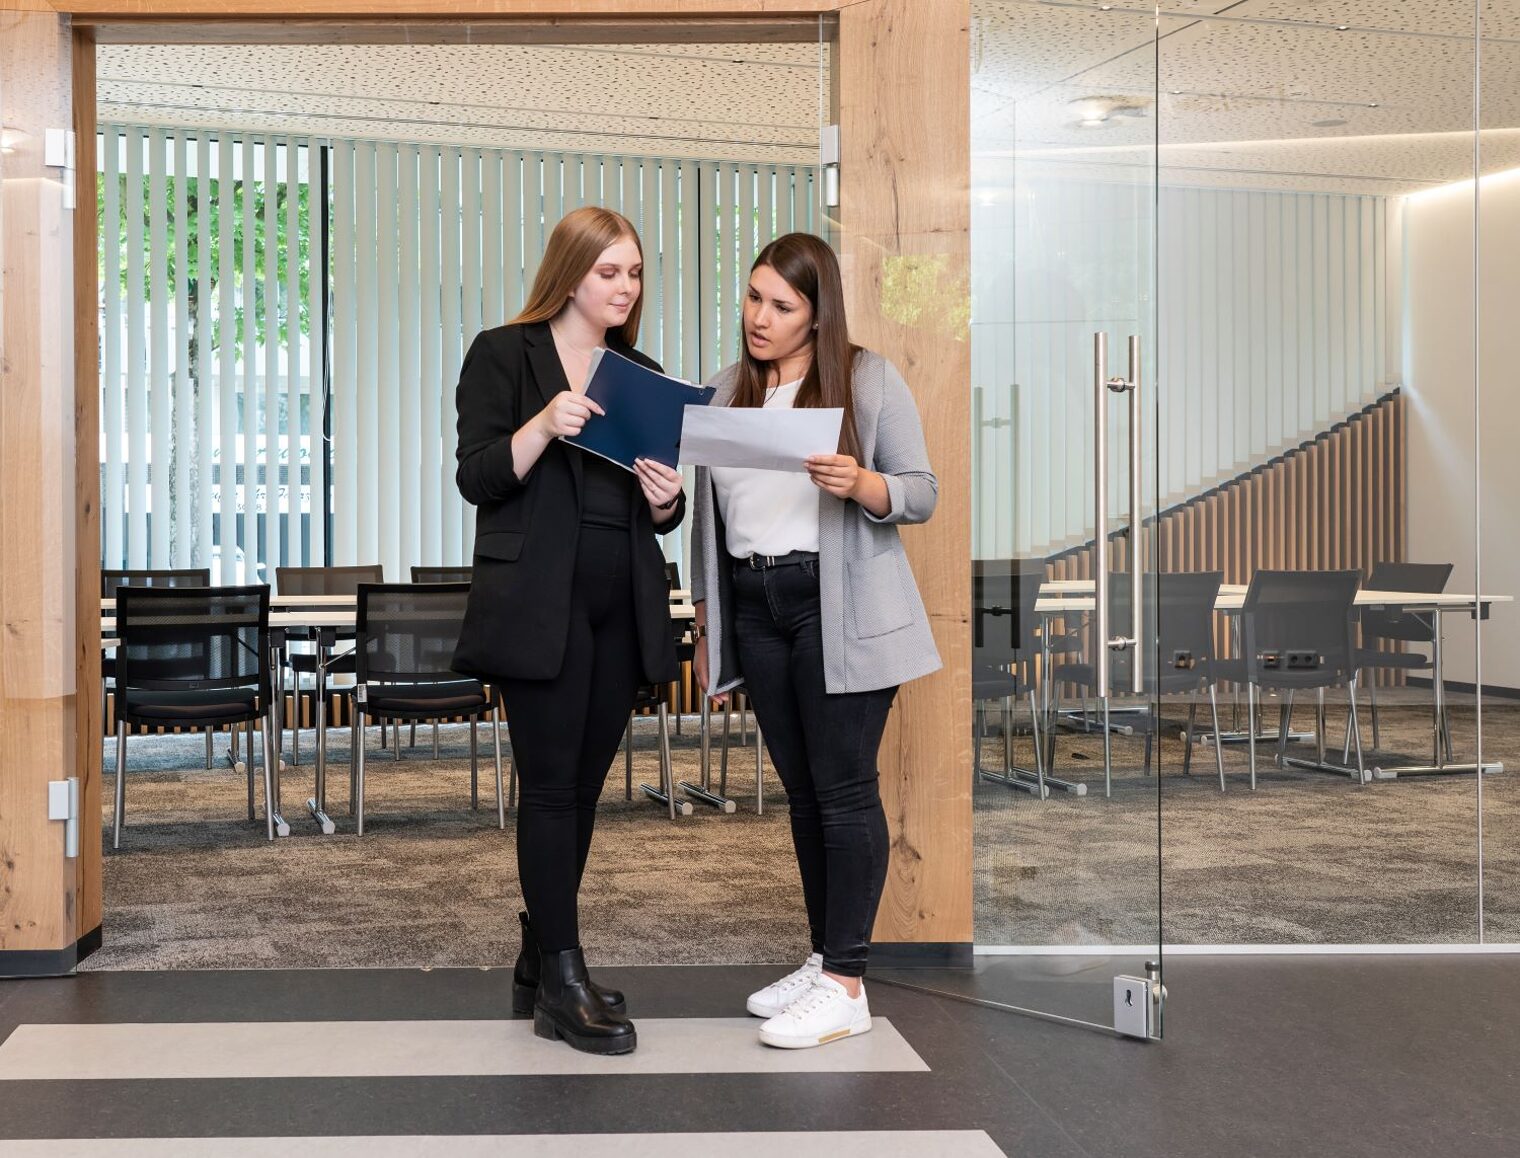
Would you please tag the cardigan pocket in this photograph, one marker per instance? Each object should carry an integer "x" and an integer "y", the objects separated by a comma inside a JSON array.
[{"x": 877, "y": 596}]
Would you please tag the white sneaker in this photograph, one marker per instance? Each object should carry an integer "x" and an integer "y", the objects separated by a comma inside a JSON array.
[
  {"x": 774, "y": 999},
  {"x": 825, "y": 1013}
]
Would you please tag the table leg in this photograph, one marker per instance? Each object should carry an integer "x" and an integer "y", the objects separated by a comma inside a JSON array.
[{"x": 317, "y": 805}]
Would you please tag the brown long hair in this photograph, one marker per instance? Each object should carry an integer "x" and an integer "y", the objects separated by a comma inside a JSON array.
[
  {"x": 574, "y": 245},
  {"x": 809, "y": 266}
]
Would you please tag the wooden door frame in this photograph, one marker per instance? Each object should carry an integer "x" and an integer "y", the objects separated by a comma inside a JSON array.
[{"x": 902, "y": 87}]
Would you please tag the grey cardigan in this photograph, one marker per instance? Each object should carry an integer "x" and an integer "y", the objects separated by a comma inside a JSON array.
[{"x": 875, "y": 631}]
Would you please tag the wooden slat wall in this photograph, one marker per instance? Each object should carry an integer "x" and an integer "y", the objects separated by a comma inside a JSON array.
[{"x": 1336, "y": 502}]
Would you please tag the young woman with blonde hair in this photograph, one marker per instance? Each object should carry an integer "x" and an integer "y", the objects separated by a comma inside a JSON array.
[{"x": 568, "y": 610}]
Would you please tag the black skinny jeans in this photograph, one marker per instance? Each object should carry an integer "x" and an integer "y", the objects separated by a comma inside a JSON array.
[
  {"x": 824, "y": 747},
  {"x": 566, "y": 730}
]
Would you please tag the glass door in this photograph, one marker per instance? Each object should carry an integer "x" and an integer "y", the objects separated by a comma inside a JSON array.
[{"x": 1067, "y": 895}]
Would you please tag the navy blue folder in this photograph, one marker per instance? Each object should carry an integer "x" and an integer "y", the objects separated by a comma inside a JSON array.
[{"x": 644, "y": 412}]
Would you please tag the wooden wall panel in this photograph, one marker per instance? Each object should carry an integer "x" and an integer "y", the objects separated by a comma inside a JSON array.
[
  {"x": 904, "y": 220},
  {"x": 38, "y": 549},
  {"x": 1336, "y": 502},
  {"x": 87, "y": 749},
  {"x": 298, "y": 9}
]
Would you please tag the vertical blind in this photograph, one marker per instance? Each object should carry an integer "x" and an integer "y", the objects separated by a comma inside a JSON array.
[
  {"x": 210, "y": 330},
  {"x": 215, "y": 338},
  {"x": 1269, "y": 310},
  {"x": 433, "y": 243}
]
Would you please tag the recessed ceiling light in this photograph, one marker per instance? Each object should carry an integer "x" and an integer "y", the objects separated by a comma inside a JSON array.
[
  {"x": 1343, "y": 28},
  {"x": 1332, "y": 123}
]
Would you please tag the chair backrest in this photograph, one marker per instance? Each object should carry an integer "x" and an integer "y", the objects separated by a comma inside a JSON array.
[
  {"x": 1391, "y": 622},
  {"x": 180, "y": 577},
  {"x": 189, "y": 638},
  {"x": 442, "y": 574},
  {"x": 326, "y": 580},
  {"x": 1003, "y": 617},
  {"x": 672, "y": 575},
  {"x": 406, "y": 632},
  {"x": 1180, "y": 605},
  {"x": 1300, "y": 611}
]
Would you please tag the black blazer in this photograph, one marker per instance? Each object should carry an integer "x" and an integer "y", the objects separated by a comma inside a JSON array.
[{"x": 527, "y": 531}]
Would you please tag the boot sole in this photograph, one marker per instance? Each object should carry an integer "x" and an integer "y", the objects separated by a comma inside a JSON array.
[
  {"x": 544, "y": 1026},
  {"x": 524, "y": 998}
]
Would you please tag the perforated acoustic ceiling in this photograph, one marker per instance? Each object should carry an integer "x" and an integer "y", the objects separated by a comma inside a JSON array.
[
  {"x": 755, "y": 102},
  {"x": 1339, "y": 95}
]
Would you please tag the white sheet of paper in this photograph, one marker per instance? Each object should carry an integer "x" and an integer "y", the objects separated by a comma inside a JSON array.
[{"x": 777, "y": 439}]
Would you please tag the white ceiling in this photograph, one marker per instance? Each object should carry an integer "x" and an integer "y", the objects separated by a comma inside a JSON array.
[
  {"x": 1233, "y": 91},
  {"x": 756, "y": 102}
]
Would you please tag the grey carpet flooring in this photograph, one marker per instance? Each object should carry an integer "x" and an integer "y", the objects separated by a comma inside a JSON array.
[{"x": 1306, "y": 858}]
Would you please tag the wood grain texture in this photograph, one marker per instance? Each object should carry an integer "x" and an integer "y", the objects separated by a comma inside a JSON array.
[
  {"x": 91, "y": 10},
  {"x": 38, "y": 727},
  {"x": 87, "y": 748},
  {"x": 904, "y": 216},
  {"x": 748, "y": 29}
]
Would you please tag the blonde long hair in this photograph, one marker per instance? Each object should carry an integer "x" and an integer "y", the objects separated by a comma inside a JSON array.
[{"x": 574, "y": 246}]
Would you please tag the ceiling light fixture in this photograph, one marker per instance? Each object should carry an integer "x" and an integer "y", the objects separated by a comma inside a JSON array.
[
  {"x": 10, "y": 138},
  {"x": 1096, "y": 111}
]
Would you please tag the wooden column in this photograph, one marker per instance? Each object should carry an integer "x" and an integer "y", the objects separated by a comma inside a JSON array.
[
  {"x": 39, "y": 546},
  {"x": 904, "y": 217}
]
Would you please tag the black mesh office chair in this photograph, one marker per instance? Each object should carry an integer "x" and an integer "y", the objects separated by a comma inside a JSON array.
[
  {"x": 110, "y": 580},
  {"x": 197, "y": 657},
  {"x": 1297, "y": 634},
  {"x": 1177, "y": 655},
  {"x": 442, "y": 574},
  {"x": 1005, "y": 640},
  {"x": 1393, "y": 624},
  {"x": 405, "y": 635},
  {"x": 320, "y": 581}
]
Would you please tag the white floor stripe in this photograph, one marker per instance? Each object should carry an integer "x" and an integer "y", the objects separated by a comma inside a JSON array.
[
  {"x": 298, "y": 1049},
  {"x": 794, "y": 1144}
]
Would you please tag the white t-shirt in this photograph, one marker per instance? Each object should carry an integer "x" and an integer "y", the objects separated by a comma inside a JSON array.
[{"x": 768, "y": 512}]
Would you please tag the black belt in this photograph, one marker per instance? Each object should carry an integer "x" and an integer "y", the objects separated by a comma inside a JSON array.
[{"x": 790, "y": 559}]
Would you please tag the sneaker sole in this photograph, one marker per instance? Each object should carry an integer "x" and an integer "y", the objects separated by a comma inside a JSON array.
[{"x": 783, "y": 1041}]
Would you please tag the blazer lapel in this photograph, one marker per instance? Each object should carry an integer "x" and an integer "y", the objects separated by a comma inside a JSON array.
[{"x": 549, "y": 379}]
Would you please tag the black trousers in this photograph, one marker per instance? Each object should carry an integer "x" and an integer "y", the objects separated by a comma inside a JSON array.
[
  {"x": 566, "y": 730},
  {"x": 824, "y": 747}
]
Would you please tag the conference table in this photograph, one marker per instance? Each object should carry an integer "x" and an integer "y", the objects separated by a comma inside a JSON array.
[
  {"x": 1063, "y": 597},
  {"x": 321, "y": 619}
]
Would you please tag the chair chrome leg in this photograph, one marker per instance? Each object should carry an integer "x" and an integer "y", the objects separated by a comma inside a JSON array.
[
  {"x": 1108, "y": 753},
  {"x": 1319, "y": 723},
  {"x": 474, "y": 762},
  {"x": 395, "y": 736},
  {"x": 1006, "y": 723},
  {"x": 1251, "y": 729},
  {"x": 359, "y": 769},
  {"x": 210, "y": 754},
  {"x": 666, "y": 792},
  {"x": 1284, "y": 726},
  {"x": 1192, "y": 730},
  {"x": 435, "y": 739},
  {"x": 355, "y": 746},
  {"x": 248, "y": 768},
  {"x": 271, "y": 800},
  {"x": 119, "y": 808},
  {"x": 295, "y": 716},
  {"x": 412, "y": 739},
  {"x": 1377, "y": 733},
  {"x": 728, "y": 705},
  {"x": 1218, "y": 743},
  {"x": 759, "y": 770},
  {"x": 501, "y": 809},
  {"x": 1356, "y": 728},
  {"x": 628, "y": 759}
]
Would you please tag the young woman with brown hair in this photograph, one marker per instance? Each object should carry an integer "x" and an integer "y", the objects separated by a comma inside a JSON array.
[
  {"x": 804, "y": 595},
  {"x": 568, "y": 610}
]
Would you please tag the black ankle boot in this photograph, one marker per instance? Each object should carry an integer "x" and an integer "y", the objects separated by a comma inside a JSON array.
[
  {"x": 568, "y": 1008},
  {"x": 525, "y": 976}
]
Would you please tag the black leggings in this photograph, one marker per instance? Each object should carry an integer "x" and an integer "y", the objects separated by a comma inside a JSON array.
[{"x": 566, "y": 730}]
